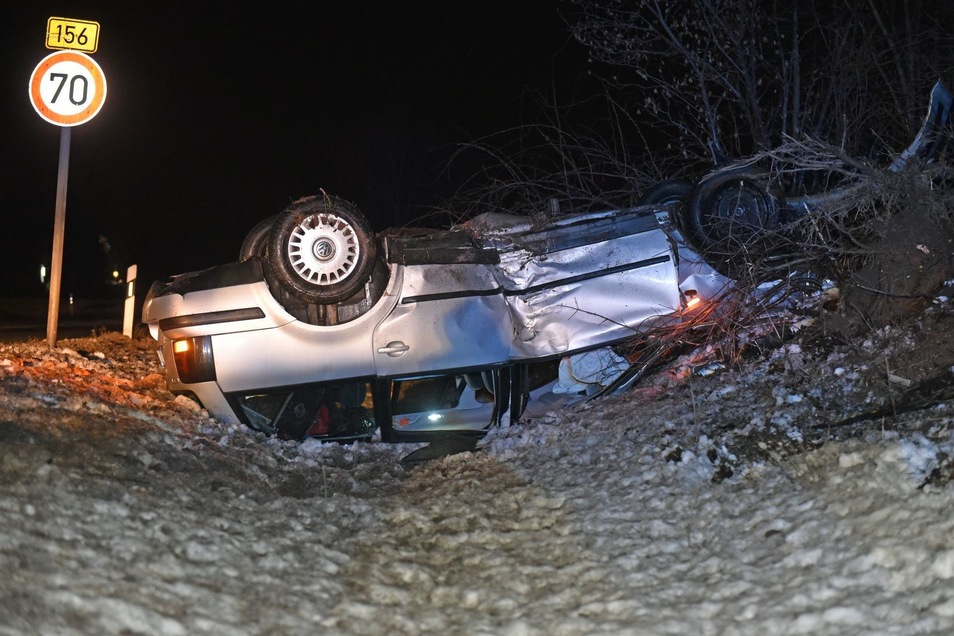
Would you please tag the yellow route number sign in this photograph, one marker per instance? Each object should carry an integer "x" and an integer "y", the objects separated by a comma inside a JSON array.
[{"x": 75, "y": 35}]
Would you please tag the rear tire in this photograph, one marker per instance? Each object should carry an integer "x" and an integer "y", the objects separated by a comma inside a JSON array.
[
  {"x": 675, "y": 194},
  {"x": 729, "y": 212},
  {"x": 667, "y": 193}
]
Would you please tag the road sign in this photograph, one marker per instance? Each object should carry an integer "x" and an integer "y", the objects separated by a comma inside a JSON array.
[
  {"x": 67, "y": 33},
  {"x": 67, "y": 88}
]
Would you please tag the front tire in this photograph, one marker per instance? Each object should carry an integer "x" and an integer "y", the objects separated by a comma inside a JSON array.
[
  {"x": 321, "y": 249},
  {"x": 257, "y": 238}
]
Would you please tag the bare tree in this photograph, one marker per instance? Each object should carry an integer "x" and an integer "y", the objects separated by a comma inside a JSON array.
[{"x": 734, "y": 77}]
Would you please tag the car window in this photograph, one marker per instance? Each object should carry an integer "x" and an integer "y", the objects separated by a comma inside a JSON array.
[
  {"x": 542, "y": 373},
  {"x": 428, "y": 394},
  {"x": 326, "y": 410},
  {"x": 446, "y": 403}
]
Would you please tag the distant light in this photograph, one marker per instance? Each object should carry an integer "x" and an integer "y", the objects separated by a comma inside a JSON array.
[
  {"x": 115, "y": 273},
  {"x": 71, "y": 299},
  {"x": 42, "y": 274}
]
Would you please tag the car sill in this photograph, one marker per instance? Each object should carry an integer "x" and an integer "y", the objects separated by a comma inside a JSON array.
[{"x": 649, "y": 262}]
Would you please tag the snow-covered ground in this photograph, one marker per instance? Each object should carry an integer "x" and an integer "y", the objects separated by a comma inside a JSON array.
[{"x": 806, "y": 491}]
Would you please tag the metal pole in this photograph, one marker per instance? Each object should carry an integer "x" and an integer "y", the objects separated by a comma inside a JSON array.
[{"x": 59, "y": 229}]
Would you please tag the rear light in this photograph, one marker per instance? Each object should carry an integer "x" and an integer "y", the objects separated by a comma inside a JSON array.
[
  {"x": 692, "y": 299},
  {"x": 193, "y": 358}
]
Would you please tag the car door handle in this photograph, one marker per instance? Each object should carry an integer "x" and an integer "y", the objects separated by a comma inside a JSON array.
[{"x": 395, "y": 348}]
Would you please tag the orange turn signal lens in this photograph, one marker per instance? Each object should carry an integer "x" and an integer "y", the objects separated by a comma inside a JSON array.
[{"x": 194, "y": 360}]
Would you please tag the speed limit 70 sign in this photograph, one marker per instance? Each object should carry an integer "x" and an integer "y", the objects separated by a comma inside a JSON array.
[{"x": 67, "y": 88}]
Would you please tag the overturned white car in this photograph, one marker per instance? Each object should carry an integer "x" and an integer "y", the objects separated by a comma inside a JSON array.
[{"x": 323, "y": 329}]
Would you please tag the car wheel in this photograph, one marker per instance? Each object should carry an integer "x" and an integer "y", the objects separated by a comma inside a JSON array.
[
  {"x": 667, "y": 193},
  {"x": 322, "y": 249},
  {"x": 729, "y": 212},
  {"x": 674, "y": 193},
  {"x": 257, "y": 239}
]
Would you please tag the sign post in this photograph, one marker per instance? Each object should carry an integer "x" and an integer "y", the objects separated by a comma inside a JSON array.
[
  {"x": 59, "y": 231},
  {"x": 67, "y": 89}
]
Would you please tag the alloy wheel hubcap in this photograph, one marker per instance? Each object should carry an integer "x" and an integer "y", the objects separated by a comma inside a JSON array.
[{"x": 323, "y": 249}]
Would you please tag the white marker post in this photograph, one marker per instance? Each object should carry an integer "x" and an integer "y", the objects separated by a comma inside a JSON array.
[
  {"x": 67, "y": 88},
  {"x": 130, "y": 306}
]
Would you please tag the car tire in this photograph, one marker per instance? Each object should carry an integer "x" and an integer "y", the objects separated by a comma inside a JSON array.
[
  {"x": 257, "y": 239},
  {"x": 674, "y": 193},
  {"x": 667, "y": 193},
  {"x": 321, "y": 249},
  {"x": 728, "y": 212}
]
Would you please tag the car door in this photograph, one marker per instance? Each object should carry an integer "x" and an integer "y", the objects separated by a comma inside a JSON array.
[{"x": 448, "y": 316}]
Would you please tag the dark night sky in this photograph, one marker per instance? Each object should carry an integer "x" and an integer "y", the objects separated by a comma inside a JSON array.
[{"x": 218, "y": 116}]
